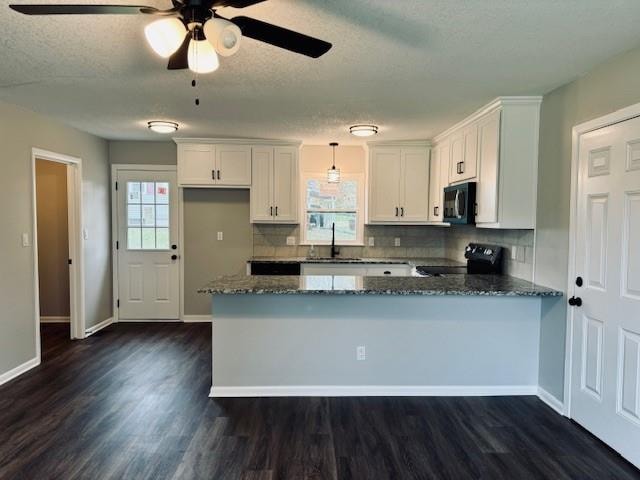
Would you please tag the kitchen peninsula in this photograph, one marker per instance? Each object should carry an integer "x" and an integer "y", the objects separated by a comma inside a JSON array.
[{"x": 325, "y": 335}]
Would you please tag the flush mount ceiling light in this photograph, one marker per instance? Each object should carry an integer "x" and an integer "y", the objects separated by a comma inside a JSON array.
[
  {"x": 160, "y": 126},
  {"x": 333, "y": 174},
  {"x": 363, "y": 130}
]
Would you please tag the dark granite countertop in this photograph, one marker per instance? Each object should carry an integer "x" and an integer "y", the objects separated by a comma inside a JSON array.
[
  {"x": 430, "y": 261},
  {"x": 455, "y": 284}
]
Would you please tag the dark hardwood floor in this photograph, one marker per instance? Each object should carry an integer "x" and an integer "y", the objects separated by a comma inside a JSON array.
[{"x": 131, "y": 402}]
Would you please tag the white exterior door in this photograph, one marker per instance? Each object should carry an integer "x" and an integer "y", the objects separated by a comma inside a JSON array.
[
  {"x": 605, "y": 376},
  {"x": 147, "y": 255}
]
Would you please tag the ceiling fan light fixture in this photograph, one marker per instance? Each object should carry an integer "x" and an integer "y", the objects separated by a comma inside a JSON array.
[
  {"x": 202, "y": 57},
  {"x": 363, "y": 130},
  {"x": 161, "y": 126},
  {"x": 223, "y": 35},
  {"x": 165, "y": 36}
]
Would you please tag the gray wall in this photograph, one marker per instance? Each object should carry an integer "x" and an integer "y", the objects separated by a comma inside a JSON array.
[
  {"x": 20, "y": 130},
  {"x": 607, "y": 88},
  {"x": 206, "y": 212}
]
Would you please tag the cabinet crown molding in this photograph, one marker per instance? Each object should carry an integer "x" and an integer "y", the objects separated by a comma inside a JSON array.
[
  {"x": 240, "y": 141},
  {"x": 497, "y": 103},
  {"x": 399, "y": 143}
]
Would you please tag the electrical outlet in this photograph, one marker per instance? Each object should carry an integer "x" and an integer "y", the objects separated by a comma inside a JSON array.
[
  {"x": 291, "y": 240},
  {"x": 26, "y": 242},
  {"x": 396, "y": 241},
  {"x": 220, "y": 236},
  {"x": 514, "y": 252},
  {"x": 361, "y": 353},
  {"x": 372, "y": 241}
]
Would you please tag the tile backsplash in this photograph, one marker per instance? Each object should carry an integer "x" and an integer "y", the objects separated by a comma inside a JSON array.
[{"x": 415, "y": 242}]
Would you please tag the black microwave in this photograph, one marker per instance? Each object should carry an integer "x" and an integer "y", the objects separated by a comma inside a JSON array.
[{"x": 459, "y": 203}]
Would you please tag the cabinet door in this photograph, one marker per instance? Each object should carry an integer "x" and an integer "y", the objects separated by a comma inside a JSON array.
[
  {"x": 196, "y": 164},
  {"x": 435, "y": 194},
  {"x": 414, "y": 185},
  {"x": 233, "y": 164},
  {"x": 384, "y": 185},
  {"x": 456, "y": 157},
  {"x": 262, "y": 185},
  {"x": 488, "y": 163},
  {"x": 470, "y": 163},
  {"x": 285, "y": 184}
]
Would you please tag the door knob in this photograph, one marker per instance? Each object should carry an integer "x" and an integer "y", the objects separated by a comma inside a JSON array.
[
  {"x": 575, "y": 301},
  {"x": 174, "y": 257}
]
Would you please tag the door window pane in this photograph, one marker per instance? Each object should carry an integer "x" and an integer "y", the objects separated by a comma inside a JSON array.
[{"x": 148, "y": 216}]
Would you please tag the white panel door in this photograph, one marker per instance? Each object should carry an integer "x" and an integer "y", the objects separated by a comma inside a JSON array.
[
  {"x": 233, "y": 165},
  {"x": 414, "y": 185},
  {"x": 196, "y": 164},
  {"x": 285, "y": 182},
  {"x": 147, "y": 236},
  {"x": 262, "y": 185},
  {"x": 605, "y": 377},
  {"x": 488, "y": 162},
  {"x": 384, "y": 185}
]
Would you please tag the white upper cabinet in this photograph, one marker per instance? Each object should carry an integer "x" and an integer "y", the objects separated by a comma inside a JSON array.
[
  {"x": 497, "y": 147},
  {"x": 438, "y": 179},
  {"x": 274, "y": 191},
  {"x": 399, "y": 184},
  {"x": 214, "y": 165}
]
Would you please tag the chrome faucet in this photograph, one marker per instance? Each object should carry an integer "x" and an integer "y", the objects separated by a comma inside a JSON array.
[{"x": 334, "y": 251}]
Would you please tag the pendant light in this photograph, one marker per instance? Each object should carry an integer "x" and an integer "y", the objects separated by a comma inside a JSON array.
[{"x": 333, "y": 174}]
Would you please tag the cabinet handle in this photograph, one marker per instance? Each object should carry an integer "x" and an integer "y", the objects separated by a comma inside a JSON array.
[
  {"x": 396, "y": 211},
  {"x": 213, "y": 174},
  {"x": 402, "y": 211},
  {"x": 276, "y": 211},
  {"x": 218, "y": 174},
  {"x": 271, "y": 211}
]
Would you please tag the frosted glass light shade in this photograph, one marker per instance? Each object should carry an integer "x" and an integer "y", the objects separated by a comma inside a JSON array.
[
  {"x": 165, "y": 36},
  {"x": 333, "y": 175},
  {"x": 223, "y": 35},
  {"x": 202, "y": 57}
]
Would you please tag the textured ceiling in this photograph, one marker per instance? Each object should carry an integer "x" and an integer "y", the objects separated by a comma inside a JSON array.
[{"x": 414, "y": 67}]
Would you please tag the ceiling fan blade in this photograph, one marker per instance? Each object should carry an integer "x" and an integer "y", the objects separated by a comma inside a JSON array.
[
  {"x": 235, "y": 3},
  {"x": 282, "y": 37},
  {"x": 42, "y": 9},
  {"x": 180, "y": 59}
]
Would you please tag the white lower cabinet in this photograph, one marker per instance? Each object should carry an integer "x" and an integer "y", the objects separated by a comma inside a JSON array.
[
  {"x": 274, "y": 189},
  {"x": 399, "y": 184},
  {"x": 357, "y": 269}
]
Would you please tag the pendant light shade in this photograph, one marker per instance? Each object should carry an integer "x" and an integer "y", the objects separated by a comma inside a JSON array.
[
  {"x": 202, "y": 57},
  {"x": 333, "y": 174},
  {"x": 165, "y": 36}
]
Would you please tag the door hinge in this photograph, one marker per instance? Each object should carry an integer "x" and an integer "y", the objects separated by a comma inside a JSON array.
[
  {"x": 118, "y": 303},
  {"x": 70, "y": 262}
]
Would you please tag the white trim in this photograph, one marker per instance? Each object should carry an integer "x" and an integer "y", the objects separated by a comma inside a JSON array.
[
  {"x": 76, "y": 242},
  {"x": 551, "y": 400},
  {"x": 96, "y": 328},
  {"x": 115, "y": 168},
  {"x": 53, "y": 319},
  {"x": 197, "y": 318},
  {"x": 400, "y": 143},
  {"x": 241, "y": 141},
  {"x": 149, "y": 320},
  {"x": 19, "y": 370},
  {"x": 618, "y": 116},
  {"x": 373, "y": 391},
  {"x": 488, "y": 108}
]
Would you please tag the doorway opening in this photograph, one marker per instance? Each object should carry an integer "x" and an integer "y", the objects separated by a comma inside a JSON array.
[{"x": 57, "y": 247}]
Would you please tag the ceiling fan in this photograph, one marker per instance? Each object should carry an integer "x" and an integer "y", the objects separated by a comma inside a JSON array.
[{"x": 192, "y": 33}]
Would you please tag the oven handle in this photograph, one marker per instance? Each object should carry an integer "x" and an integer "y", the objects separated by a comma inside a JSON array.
[{"x": 457, "y": 204}]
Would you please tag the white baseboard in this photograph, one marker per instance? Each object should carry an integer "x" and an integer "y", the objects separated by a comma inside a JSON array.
[
  {"x": 19, "y": 370},
  {"x": 551, "y": 400},
  {"x": 96, "y": 328},
  {"x": 373, "y": 391},
  {"x": 48, "y": 319},
  {"x": 196, "y": 318}
]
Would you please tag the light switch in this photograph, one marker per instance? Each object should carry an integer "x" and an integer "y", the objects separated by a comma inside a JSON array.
[
  {"x": 397, "y": 241},
  {"x": 372, "y": 241},
  {"x": 26, "y": 241},
  {"x": 220, "y": 236},
  {"x": 291, "y": 240}
]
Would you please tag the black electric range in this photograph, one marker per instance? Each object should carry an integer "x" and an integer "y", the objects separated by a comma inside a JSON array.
[{"x": 481, "y": 259}]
